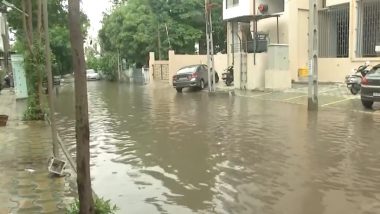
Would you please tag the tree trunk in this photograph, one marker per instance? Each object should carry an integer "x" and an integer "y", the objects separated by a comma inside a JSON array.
[
  {"x": 81, "y": 111},
  {"x": 27, "y": 6},
  {"x": 7, "y": 64},
  {"x": 49, "y": 80},
  {"x": 39, "y": 19},
  {"x": 30, "y": 19},
  {"x": 39, "y": 24},
  {"x": 24, "y": 20}
]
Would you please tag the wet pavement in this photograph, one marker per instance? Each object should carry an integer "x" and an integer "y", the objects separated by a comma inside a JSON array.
[
  {"x": 156, "y": 151},
  {"x": 25, "y": 184},
  {"x": 333, "y": 95}
]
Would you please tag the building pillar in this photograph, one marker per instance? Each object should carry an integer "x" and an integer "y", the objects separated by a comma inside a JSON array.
[
  {"x": 293, "y": 39},
  {"x": 151, "y": 63},
  {"x": 229, "y": 43},
  {"x": 354, "y": 12}
]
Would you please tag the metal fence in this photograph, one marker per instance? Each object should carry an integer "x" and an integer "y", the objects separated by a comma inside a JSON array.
[
  {"x": 245, "y": 47},
  {"x": 334, "y": 31},
  {"x": 136, "y": 75},
  {"x": 368, "y": 28}
]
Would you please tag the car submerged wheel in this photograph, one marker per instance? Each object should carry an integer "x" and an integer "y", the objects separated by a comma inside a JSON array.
[
  {"x": 367, "y": 104},
  {"x": 202, "y": 84},
  {"x": 228, "y": 82},
  {"x": 179, "y": 90},
  {"x": 354, "y": 90}
]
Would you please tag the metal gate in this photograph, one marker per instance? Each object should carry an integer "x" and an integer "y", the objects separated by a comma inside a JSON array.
[
  {"x": 368, "y": 28},
  {"x": 161, "y": 71},
  {"x": 244, "y": 68},
  {"x": 138, "y": 76},
  {"x": 334, "y": 31}
]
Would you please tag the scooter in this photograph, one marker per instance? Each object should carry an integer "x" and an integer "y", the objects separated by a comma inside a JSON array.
[
  {"x": 7, "y": 81},
  {"x": 354, "y": 80},
  {"x": 228, "y": 76}
]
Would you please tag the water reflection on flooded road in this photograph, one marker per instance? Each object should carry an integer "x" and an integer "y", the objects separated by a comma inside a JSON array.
[{"x": 156, "y": 151}]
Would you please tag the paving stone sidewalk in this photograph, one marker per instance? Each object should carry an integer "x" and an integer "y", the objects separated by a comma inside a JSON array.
[{"x": 25, "y": 184}]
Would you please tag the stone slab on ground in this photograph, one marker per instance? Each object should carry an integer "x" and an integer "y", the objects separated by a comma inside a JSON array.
[{"x": 25, "y": 147}]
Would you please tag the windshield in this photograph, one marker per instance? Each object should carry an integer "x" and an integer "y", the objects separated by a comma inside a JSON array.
[
  {"x": 91, "y": 71},
  {"x": 375, "y": 72},
  {"x": 189, "y": 69}
]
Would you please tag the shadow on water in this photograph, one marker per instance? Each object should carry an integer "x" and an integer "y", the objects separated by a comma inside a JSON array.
[{"x": 155, "y": 150}]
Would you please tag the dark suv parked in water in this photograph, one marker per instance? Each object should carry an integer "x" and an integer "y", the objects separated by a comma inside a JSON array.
[{"x": 370, "y": 87}]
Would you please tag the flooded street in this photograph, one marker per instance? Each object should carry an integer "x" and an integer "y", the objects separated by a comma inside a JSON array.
[{"x": 156, "y": 151}]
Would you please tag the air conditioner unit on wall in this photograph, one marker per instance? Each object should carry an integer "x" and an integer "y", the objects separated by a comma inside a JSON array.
[{"x": 268, "y": 7}]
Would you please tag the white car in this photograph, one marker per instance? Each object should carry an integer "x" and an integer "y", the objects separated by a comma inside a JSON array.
[{"x": 91, "y": 74}]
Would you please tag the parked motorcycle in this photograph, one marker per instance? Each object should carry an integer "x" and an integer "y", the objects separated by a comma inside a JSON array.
[
  {"x": 7, "y": 81},
  {"x": 354, "y": 80},
  {"x": 228, "y": 76}
]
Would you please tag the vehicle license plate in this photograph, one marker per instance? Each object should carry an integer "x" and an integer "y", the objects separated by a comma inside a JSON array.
[
  {"x": 183, "y": 78},
  {"x": 376, "y": 94}
]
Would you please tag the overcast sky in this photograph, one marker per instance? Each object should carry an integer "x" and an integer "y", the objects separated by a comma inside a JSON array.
[{"x": 94, "y": 10}]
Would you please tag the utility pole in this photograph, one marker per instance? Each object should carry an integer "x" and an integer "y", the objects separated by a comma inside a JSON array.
[
  {"x": 210, "y": 46},
  {"x": 212, "y": 54},
  {"x": 167, "y": 34},
  {"x": 49, "y": 78},
  {"x": 159, "y": 41},
  {"x": 118, "y": 66},
  {"x": 313, "y": 56}
]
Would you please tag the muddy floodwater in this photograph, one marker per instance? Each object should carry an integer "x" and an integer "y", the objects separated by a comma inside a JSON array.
[{"x": 156, "y": 151}]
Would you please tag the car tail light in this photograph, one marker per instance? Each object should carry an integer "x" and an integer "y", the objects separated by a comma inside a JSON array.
[
  {"x": 174, "y": 77},
  {"x": 364, "y": 81}
]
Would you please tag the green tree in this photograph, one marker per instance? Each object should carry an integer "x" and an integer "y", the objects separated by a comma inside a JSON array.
[
  {"x": 28, "y": 31},
  {"x": 58, "y": 30},
  {"x": 184, "y": 21},
  {"x": 60, "y": 46},
  {"x": 108, "y": 66},
  {"x": 82, "y": 127},
  {"x": 141, "y": 26},
  {"x": 129, "y": 30}
]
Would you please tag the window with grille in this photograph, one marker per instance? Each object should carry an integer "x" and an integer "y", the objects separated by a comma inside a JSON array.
[
  {"x": 334, "y": 31},
  {"x": 368, "y": 28}
]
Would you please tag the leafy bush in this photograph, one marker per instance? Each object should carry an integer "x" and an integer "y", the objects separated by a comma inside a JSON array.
[
  {"x": 101, "y": 207},
  {"x": 106, "y": 64},
  {"x": 34, "y": 65},
  {"x": 33, "y": 111}
]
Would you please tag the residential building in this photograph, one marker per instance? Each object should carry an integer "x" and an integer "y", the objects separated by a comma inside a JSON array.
[{"x": 349, "y": 31}]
